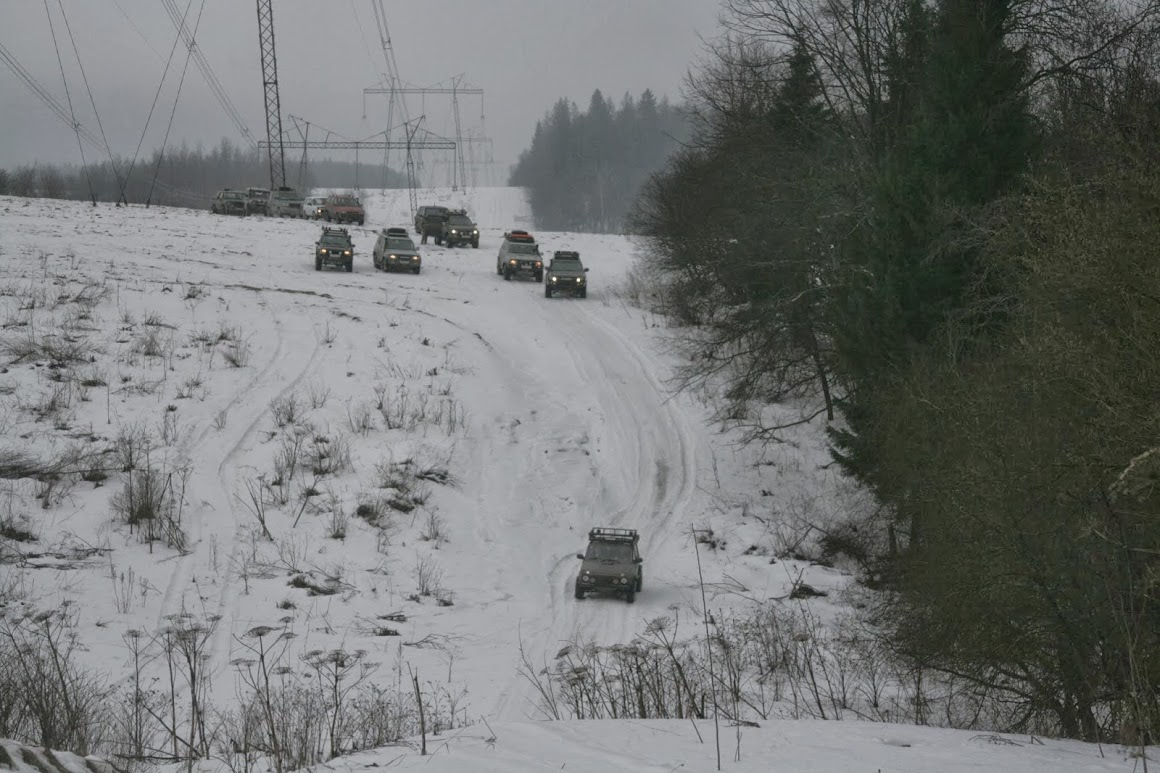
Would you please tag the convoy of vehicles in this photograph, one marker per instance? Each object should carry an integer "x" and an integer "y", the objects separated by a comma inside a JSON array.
[
  {"x": 519, "y": 256},
  {"x": 394, "y": 251},
  {"x": 334, "y": 248},
  {"x": 612, "y": 564}
]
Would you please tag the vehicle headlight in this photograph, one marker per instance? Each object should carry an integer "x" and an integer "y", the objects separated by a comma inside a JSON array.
[
  {"x": 474, "y": 232},
  {"x": 512, "y": 261},
  {"x": 346, "y": 252},
  {"x": 553, "y": 279},
  {"x": 454, "y": 231},
  {"x": 539, "y": 264},
  {"x": 624, "y": 581},
  {"x": 586, "y": 578},
  {"x": 322, "y": 252},
  {"x": 579, "y": 279},
  {"x": 414, "y": 257}
]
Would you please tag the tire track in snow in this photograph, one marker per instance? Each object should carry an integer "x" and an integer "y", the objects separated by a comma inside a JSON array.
[{"x": 212, "y": 480}]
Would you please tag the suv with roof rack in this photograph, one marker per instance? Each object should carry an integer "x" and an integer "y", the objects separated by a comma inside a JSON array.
[
  {"x": 394, "y": 251},
  {"x": 566, "y": 275},
  {"x": 612, "y": 564},
  {"x": 519, "y": 255},
  {"x": 334, "y": 248},
  {"x": 458, "y": 229}
]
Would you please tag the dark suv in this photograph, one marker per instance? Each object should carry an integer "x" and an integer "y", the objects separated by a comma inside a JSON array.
[
  {"x": 566, "y": 275},
  {"x": 334, "y": 248},
  {"x": 458, "y": 229},
  {"x": 429, "y": 222},
  {"x": 612, "y": 564},
  {"x": 394, "y": 251}
]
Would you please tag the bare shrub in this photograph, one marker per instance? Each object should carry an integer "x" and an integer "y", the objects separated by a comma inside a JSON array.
[
  {"x": 50, "y": 700},
  {"x": 360, "y": 418},
  {"x": 318, "y": 393},
  {"x": 150, "y": 504},
  {"x": 286, "y": 410},
  {"x": 328, "y": 456},
  {"x": 428, "y": 575},
  {"x": 435, "y": 528},
  {"x": 237, "y": 353},
  {"x": 339, "y": 521}
]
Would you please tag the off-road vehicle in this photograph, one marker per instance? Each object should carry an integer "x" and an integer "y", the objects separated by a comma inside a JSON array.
[
  {"x": 257, "y": 201},
  {"x": 612, "y": 564},
  {"x": 343, "y": 208},
  {"x": 565, "y": 274},
  {"x": 313, "y": 207},
  {"x": 286, "y": 202},
  {"x": 459, "y": 229},
  {"x": 394, "y": 251},
  {"x": 429, "y": 222},
  {"x": 519, "y": 255},
  {"x": 334, "y": 248},
  {"x": 229, "y": 202}
]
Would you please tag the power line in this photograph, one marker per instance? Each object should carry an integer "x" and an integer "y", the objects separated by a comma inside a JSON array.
[
  {"x": 176, "y": 98},
  {"x": 211, "y": 79},
  {"x": 156, "y": 96},
  {"x": 92, "y": 101},
  {"x": 46, "y": 97},
  {"x": 71, "y": 112}
]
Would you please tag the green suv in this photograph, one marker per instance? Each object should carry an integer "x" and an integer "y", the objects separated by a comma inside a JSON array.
[
  {"x": 566, "y": 275},
  {"x": 394, "y": 251},
  {"x": 334, "y": 248},
  {"x": 612, "y": 564}
]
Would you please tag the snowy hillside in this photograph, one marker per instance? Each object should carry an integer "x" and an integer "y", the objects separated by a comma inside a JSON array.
[{"x": 220, "y": 441}]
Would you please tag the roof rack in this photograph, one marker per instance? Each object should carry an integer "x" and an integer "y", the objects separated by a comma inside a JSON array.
[
  {"x": 334, "y": 230},
  {"x": 603, "y": 534},
  {"x": 396, "y": 231},
  {"x": 565, "y": 254}
]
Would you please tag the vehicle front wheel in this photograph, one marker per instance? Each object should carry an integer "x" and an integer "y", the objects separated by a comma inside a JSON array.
[
  {"x": 507, "y": 275},
  {"x": 579, "y": 593},
  {"x": 640, "y": 582},
  {"x": 475, "y": 245},
  {"x": 416, "y": 269},
  {"x": 439, "y": 240},
  {"x": 630, "y": 597},
  {"x": 583, "y": 293},
  {"x": 349, "y": 266},
  {"x": 540, "y": 277},
  {"x": 317, "y": 264},
  {"x": 547, "y": 291}
]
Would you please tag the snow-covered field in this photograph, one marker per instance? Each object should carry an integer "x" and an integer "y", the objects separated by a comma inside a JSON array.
[{"x": 396, "y": 465}]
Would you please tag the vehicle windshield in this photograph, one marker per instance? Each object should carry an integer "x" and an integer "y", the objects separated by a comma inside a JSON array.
[
  {"x": 523, "y": 249},
  {"x": 567, "y": 264},
  {"x": 233, "y": 195},
  {"x": 334, "y": 241},
  {"x": 400, "y": 244},
  {"x": 459, "y": 220},
  {"x": 287, "y": 195},
  {"x": 345, "y": 201},
  {"x": 609, "y": 551},
  {"x": 260, "y": 194}
]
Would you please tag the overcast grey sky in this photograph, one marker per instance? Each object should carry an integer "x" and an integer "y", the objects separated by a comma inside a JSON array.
[{"x": 523, "y": 53}]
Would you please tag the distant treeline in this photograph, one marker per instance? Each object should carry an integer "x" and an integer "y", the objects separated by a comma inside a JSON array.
[
  {"x": 185, "y": 177},
  {"x": 583, "y": 170}
]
